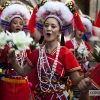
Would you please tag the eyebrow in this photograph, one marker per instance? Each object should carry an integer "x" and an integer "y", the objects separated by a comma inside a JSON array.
[{"x": 51, "y": 24}]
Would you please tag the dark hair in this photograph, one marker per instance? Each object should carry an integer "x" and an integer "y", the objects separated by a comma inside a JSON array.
[{"x": 62, "y": 42}]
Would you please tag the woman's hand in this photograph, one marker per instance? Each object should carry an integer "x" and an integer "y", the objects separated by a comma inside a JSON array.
[
  {"x": 85, "y": 85},
  {"x": 72, "y": 50},
  {"x": 88, "y": 72},
  {"x": 11, "y": 56}
]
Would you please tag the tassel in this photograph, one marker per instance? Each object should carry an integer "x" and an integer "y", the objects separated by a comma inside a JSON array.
[
  {"x": 32, "y": 21},
  {"x": 78, "y": 23},
  {"x": 70, "y": 94}
]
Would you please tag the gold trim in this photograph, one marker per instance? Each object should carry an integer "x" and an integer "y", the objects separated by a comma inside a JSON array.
[{"x": 15, "y": 81}]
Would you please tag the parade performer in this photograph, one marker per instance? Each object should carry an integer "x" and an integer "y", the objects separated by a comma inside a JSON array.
[
  {"x": 84, "y": 54},
  {"x": 51, "y": 61},
  {"x": 14, "y": 18},
  {"x": 81, "y": 49}
]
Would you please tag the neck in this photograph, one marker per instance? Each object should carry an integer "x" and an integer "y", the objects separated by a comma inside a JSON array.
[
  {"x": 51, "y": 45},
  {"x": 78, "y": 40}
]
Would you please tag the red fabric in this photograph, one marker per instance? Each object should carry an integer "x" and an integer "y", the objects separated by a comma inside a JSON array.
[
  {"x": 0, "y": 90},
  {"x": 94, "y": 33},
  {"x": 97, "y": 22},
  {"x": 0, "y": 12},
  {"x": 3, "y": 54},
  {"x": 32, "y": 77},
  {"x": 65, "y": 56},
  {"x": 6, "y": 88},
  {"x": 95, "y": 75},
  {"x": 7, "y": 94},
  {"x": 78, "y": 23},
  {"x": 65, "y": 60},
  {"x": 70, "y": 45},
  {"x": 32, "y": 21}
]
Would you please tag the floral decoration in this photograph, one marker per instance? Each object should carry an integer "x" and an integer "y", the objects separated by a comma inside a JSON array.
[
  {"x": 8, "y": 18},
  {"x": 3, "y": 38},
  {"x": 81, "y": 52},
  {"x": 96, "y": 55},
  {"x": 19, "y": 41}
]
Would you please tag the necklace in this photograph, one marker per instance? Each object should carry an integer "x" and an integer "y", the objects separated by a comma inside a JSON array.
[
  {"x": 40, "y": 67},
  {"x": 74, "y": 42}
]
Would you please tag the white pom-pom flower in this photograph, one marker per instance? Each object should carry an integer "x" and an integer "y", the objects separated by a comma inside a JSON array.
[
  {"x": 3, "y": 39},
  {"x": 81, "y": 50},
  {"x": 20, "y": 41}
]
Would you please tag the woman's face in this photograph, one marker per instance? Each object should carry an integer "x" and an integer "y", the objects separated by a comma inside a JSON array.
[
  {"x": 79, "y": 34},
  {"x": 51, "y": 29},
  {"x": 16, "y": 25}
]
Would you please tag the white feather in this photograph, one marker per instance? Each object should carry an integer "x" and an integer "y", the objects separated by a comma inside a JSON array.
[
  {"x": 15, "y": 8},
  {"x": 55, "y": 6},
  {"x": 87, "y": 23}
]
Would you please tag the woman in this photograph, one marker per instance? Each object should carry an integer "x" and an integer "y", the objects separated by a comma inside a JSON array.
[
  {"x": 77, "y": 42},
  {"x": 51, "y": 61},
  {"x": 81, "y": 50}
]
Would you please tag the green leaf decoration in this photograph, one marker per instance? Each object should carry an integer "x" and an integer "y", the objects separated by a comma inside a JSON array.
[
  {"x": 33, "y": 46},
  {"x": 97, "y": 57}
]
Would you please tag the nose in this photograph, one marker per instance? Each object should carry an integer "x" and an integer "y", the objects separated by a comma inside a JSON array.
[
  {"x": 18, "y": 24},
  {"x": 49, "y": 28}
]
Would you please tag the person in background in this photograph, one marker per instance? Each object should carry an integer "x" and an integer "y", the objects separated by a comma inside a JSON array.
[{"x": 81, "y": 49}]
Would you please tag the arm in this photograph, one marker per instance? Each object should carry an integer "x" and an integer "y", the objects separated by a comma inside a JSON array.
[
  {"x": 75, "y": 77},
  {"x": 21, "y": 70},
  {"x": 84, "y": 86},
  {"x": 85, "y": 96},
  {"x": 36, "y": 35}
]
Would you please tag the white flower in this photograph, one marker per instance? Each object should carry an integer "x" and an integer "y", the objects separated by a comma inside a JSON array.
[
  {"x": 3, "y": 39},
  {"x": 85, "y": 53},
  {"x": 80, "y": 49},
  {"x": 20, "y": 40},
  {"x": 97, "y": 48}
]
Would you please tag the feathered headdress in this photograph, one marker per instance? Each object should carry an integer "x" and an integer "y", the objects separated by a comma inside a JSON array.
[
  {"x": 59, "y": 10},
  {"x": 15, "y": 9},
  {"x": 77, "y": 23}
]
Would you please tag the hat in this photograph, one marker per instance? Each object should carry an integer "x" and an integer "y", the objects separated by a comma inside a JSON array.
[
  {"x": 90, "y": 28},
  {"x": 58, "y": 10},
  {"x": 77, "y": 23},
  {"x": 15, "y": 9}
]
